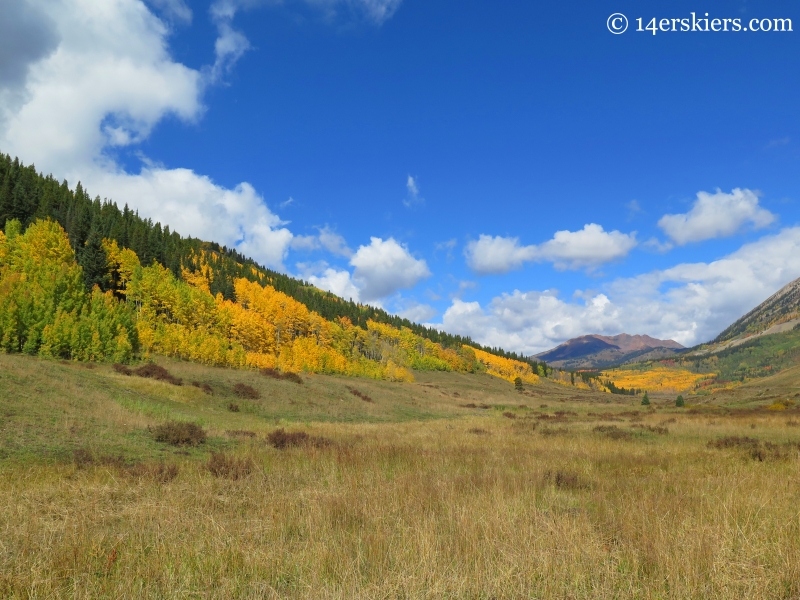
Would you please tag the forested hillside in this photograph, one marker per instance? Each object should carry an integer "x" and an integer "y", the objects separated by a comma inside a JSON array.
[{"x": 26, "y": 195}]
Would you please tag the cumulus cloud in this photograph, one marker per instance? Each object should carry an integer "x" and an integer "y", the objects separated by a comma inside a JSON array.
[
  {"x": 108, "y": 82},
  {"x": 27, "y": 34},
  {"x": 338, "y": 282},
  {"x": 716, "y": 215},
  {"x": 690, "y": 302},
  {"x": 417, "y": 313},
  {"x": 586, "y": 248},
  {"x": 384, "y": 267}
]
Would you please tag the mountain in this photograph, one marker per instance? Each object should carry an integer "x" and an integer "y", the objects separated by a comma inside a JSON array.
[
  {"x": 777, "y": 314},
  {"x": 595, "y": 351}
]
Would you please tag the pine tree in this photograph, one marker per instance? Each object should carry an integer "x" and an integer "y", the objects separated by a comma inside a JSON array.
[
  {"x": 93, "y": 259},
  {"x": 680, "y": 402},
  {"x": 645, "y": 400}
]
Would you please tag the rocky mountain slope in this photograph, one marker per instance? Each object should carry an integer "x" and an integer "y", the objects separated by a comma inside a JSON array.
[
  {"x": 596, "y": 351},
  {"x": 777, "y": 314}
]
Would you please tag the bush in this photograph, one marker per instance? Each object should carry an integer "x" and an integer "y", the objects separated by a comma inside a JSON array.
[
  {"x": 180, "y": 433},
  {"x": 509, "y": 415},
  {"x": 360, "y": 394},
  {"x": 229, "y": 467},
  {"x": 282, "y": 439},
  {"x": 518, "y": 384},
  {"x": 613, "y": 432},
  {"x": 159, "y": 373},
  {"x": 275, "y": 374},
  {"x": 245, "y": 391},
  {"x": 158, "y": 472},
  {"x": 233, "y": 407},
  {"x": 679, "y": 402},
  {"x": 204, "y": 386},
  {"x": 122, "y": 369}
]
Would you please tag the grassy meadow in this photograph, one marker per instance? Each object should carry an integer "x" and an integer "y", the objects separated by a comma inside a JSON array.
[{"x": 455, "y": 486}]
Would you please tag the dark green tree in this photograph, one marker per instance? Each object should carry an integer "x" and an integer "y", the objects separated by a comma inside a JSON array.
[
  {"x": 93, "y": 259},
  {"x": 679, "y": 401},
  {"x": 645, "y": 400}
]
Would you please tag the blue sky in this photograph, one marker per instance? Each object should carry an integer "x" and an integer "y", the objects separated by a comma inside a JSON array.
[{"x": 503, "y": 170}]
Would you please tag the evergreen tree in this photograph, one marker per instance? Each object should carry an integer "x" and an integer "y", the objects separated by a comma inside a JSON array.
[
  {"x": 93, "y": 259},
  {"x": 645, "y": 400},
  {"x": 680, "y": 402}
]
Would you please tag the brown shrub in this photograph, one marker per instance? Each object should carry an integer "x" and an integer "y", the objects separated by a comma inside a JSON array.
[
  {"x": 755, "y": 449},
  {"x": 509, "y": 415},
  {"x": 564, "y": 480},
  {"x": 282, "y": 439},
  {"x": 478, "y": 431},
  {"x": 159, "y": 472},
  {"x": 229, "y": 467},
  {"x": 122, "y": 369},
  {"x": 243, "y": 433},
  {"x": 470, "y": 405},
  {"x": 733, "y": 441},
  {"x": 245, "y": 391},
  {"x": 157, "y": 372},
  {"x": 547, "y": 431},
  {"x": 652, "y": 429},
  {"x": 360, "y": 394},
  {"x": 233, "y": 407},
  {"x": 204, "y": 386},
  {"x": 83, "y": 458},
  {"x": 791, "y": 423},
  {"x": 613, "y": 432},
  {"x": 293, "y": 377},
  {"x": 275, "y": 374},
  {"x": 179, "y": 433}
]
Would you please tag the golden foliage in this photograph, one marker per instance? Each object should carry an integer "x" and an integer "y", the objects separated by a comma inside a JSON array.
[
  {"x": 506, "y": 368},
  {"x": 656, "y": 379}
]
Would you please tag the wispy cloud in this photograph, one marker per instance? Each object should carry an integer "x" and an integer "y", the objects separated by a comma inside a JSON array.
[{"x": 413, "y": 197}]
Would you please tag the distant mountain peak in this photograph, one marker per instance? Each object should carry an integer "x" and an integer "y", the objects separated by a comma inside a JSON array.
[{"x": 594, "y": 351}]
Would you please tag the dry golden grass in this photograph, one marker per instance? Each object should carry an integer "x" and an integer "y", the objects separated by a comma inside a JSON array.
[{"x": 415, "y": 509}]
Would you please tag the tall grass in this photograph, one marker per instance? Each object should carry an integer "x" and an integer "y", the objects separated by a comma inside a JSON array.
[{"x": 417, "y": 510}]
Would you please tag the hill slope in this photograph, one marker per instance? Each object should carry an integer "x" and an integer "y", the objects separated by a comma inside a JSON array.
[
  {"x": 779, "y": 313},
  {"x": 26, "y": 195}
]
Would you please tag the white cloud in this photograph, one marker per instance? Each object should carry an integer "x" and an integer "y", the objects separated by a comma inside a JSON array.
[
  {"x": 177, "y": 10},
  {"x": 305, "y": 242},
  {"x": 690, "y": 303},
  {"x": 109, "y": 81},
  {"x": 384, "y": 267},
  {"x": 333, "y": 242},
  {"x": 231, "y": 44},
  {"x": 194, "y": 205},
  {"x": 412, "y": 194},
  {"x": 716, "y": 215},
  {"x": 587, "y": 248},
  {"x": 417, "y": 313},
  {"x": 337, "y": 282}
]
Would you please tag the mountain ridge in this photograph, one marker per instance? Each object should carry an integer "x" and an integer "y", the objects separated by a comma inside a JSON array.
[{"x": 594, "y": 350}]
